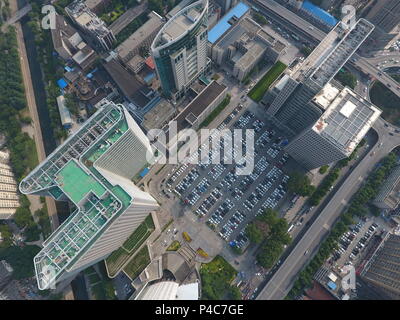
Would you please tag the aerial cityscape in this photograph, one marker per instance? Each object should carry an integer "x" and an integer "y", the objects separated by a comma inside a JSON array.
[{"x": 199, "y": 150}]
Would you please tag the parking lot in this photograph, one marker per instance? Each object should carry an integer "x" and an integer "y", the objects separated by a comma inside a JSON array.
[
  {"x": 221, "y": 198},
  {"x": 353, "y": 242}
]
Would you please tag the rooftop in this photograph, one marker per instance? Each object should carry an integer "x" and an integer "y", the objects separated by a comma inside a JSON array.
[
  {"x": 347, "y": 117},
  {"x": 86, "y": 18},
  {"x": 76, "y": 183},
  {"x": 181, "y": 23},
  {"x": 319, "y": 13},
  {"x": 197, "y": 106},
  {"x": 158, "y": 115},
  {"x": 349, "y": 42},
  {"x": 64, "y": 112},
  {"x": 247, "y": 27},
  {"x": 152, "y": 25},
  {"x": 133, "y": 89},
  {"x": 69, "y": 172},
  {"x": 225, "y": 22},
  {"x": 255, "y": 50}
]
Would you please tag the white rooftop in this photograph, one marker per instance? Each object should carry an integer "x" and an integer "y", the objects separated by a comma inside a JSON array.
[{"x": 347, "y": 117}]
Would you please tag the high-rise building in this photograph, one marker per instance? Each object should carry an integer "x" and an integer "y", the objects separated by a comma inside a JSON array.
[
  {"x": 180, "y": 49},
  {"x": 346, "y": 119},
  {"x": 388, "y": 196},
  {"x": 382, "y": 270},
  {"x": 90, "y": 24},
  {"x": 292, "y": 108},
  {"x": 92, "y": 169},
  {"x": 385, "y": 15}
]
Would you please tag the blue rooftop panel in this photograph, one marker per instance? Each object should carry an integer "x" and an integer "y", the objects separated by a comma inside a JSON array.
[
  {"x": 62, "y": 83},
  {"x": 319, "y": 13},
  {"x": 144, "y": 172},
  {"x": 332, "y": 285},
  {"x": 223, "y": 25}
]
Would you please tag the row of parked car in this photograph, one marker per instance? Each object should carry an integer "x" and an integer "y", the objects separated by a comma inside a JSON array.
[
  {"x": 219, "y": 214},
  {"x": 363, "y": 241},
  {"x": 232, "y": 224}
]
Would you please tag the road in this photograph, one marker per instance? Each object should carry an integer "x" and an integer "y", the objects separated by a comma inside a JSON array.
[
  {"x": 30, "y": 97},
  {"x": 279, "y": 12},
  {"x": 282, "y": 281},
  {"x": 289, "y": 19},
  {"x": 368, "y": 68}
]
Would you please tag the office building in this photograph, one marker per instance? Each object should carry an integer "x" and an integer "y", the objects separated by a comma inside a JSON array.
[
  {"x": 291, "y": 108},
  {"x": 93, "y": 169},
  {"x": 346, "y": 119},
  {"x": 388, "y": 196},
  {"x": 139, "y": 42},
  {"x": 180, "y": 49},
  {"x": 243, "y": 45},
  {"x": 382, "y": 270},
  {"x": 385, "y": 15},
  {"x": 90, "y": 24}
]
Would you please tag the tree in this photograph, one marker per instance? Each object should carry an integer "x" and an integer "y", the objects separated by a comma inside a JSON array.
[
  {"x": 254, "y": 234},
  {"x": 270, "y": 253},
  {"x": 323, "y": 169},
  {"x": 259, "y": 18},
  {"x": 234, "y": 293},
  {"x": 71, "y": 102},
  {"x": 20, "y": 259},
  {"x": 23, "y": 217},
  {"x": 157, "y": 6},
  {"x": 6, "y": 235},
  {"x": 300, "y": 184},
  {"x": 346, "y": 78}
]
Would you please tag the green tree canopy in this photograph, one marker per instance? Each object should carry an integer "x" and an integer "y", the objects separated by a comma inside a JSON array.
[{"x": 300, "y": 184}]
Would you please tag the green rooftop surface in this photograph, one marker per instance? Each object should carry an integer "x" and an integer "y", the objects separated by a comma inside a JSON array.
[
  {"x": 102, "y": 146},
  {"x": 76, "y": 183}
]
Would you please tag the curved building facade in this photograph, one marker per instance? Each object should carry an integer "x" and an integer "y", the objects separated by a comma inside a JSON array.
[{"x": 180, "y": 49}]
